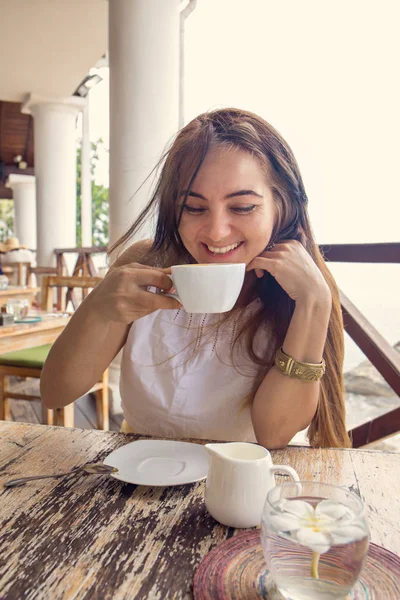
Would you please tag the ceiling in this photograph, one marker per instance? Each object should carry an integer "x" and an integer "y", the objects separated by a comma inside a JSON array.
[{"x": 49, "y": 46}]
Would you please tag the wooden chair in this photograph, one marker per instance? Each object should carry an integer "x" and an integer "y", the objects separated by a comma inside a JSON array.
[
  {"x": 84, "y": 266},
  {"x": 29, "y": 363},
  {"x": 60, "y": 282},
  {"x": 24, "y": 364},
  {"x": 38, "y": 271},
  {"x": 49, "y": 285}
]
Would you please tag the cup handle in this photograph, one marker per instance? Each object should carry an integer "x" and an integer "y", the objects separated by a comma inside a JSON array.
[
  {"x": 289, "y": 471},
  {"x": 172, "y": 296},
  {"x": 169, "y": 294}
]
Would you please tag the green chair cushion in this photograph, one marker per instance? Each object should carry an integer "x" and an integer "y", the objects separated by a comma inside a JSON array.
[{"x": 30, "y": 357}]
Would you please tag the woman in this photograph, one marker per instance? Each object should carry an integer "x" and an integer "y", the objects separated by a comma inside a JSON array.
[{"x": 230, "y": 190}]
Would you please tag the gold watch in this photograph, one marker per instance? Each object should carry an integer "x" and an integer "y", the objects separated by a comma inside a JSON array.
[{"x": 300, "y": 370}]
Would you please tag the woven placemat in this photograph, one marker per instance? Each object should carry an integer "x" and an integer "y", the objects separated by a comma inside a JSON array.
[{"x": 236, "y": 570}]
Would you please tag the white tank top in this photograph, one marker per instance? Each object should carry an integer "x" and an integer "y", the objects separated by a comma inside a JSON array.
[{"x": 178, "y": 379}]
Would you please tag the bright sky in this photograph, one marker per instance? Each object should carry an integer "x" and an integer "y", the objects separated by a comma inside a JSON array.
[{"x": 325, "y": 75}]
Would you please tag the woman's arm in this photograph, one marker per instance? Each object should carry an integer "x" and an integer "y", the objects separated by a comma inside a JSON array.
[
  {"x": 99, "y": 328},
  {"x": 284, "y": 405},
  {"x": 80, "y": 355}
]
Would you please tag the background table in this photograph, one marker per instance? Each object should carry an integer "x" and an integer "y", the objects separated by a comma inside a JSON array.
[
  {"x": 95, "y": 537},
  {"x": 18, "y": 292},
  {"x": 27, "y": 335}
]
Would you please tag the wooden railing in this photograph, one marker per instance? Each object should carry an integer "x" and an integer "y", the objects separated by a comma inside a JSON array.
[{"x": 384, "y": 358}]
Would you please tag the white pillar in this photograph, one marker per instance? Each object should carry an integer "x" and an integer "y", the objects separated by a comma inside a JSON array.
[
  {"x": 86, "y": 180},
  {"x": 24, "y": 195},
  {"x": 184, "y": 14},
  {"x": 55, "y": 171},
  {"x": 144, "y": 100}
]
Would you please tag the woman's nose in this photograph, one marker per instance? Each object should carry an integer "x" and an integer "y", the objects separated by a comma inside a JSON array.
[{"x": 218, "y": 228}]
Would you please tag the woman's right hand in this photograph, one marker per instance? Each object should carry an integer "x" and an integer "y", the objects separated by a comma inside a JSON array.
[{"x": 123, "y": 296}]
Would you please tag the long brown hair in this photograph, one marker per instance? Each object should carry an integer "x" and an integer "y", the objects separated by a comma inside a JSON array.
[{"x": 179, "y": 166}]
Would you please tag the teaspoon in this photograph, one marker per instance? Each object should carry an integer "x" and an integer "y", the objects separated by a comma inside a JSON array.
[{"x": 89, "y": 469}]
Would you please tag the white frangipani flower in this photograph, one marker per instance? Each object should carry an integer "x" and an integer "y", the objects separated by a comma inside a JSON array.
[{"x": 329, "y": 523}]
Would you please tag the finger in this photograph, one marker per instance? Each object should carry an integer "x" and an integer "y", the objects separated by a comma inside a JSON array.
[
  {"x": 116, "y": 267},
  {"x": 282, "y": 245},
  {"x": 140, "y": 266},
  {"x": 285, "y": 244},
  {"x": 153, "y": 301},
  {"x": 279, "y": 249},
  {"x": 152, "y": 277},
  {"x": 286, "y": 241},
  {"x": 268, "y": 265},
  {"x": 260, "y": 262}
]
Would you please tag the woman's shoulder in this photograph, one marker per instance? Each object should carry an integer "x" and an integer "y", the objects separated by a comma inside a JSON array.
[
  {"x": 138, "y": 252},
  {"x": 142, "y": 252}
]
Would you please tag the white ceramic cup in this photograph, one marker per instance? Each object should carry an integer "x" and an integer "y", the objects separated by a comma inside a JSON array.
[{"x": 208, "y": 288}]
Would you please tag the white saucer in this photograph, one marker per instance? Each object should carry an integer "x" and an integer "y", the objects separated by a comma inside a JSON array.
[{"x": 159, "y": 462}]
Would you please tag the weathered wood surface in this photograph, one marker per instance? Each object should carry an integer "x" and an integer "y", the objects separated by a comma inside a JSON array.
[
  {"x": 27, "y": 335},
  {"x": 95, "y": 537}
]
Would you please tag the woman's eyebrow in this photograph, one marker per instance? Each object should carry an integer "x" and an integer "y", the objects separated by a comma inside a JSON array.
[
  {"x": 227, "y": 197},
  {"x": 243, "y": 193},
  {"x": 194, "y": 194}
]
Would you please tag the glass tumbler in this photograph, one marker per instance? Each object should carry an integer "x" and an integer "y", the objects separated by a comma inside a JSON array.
[{"x": 315, "y": 540}]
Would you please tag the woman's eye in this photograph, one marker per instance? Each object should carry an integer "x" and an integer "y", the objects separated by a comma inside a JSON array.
[
  {"x": 198, "y": 210},
  {"x": 243, "y": 209},
  {"x": 193, "y": 210}
]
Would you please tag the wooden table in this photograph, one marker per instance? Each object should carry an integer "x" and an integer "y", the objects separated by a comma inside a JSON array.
[
  {"x": 95, "y": 537},
  {"x": 27, "y": 335},
  {"x": 18, "y": 292}
]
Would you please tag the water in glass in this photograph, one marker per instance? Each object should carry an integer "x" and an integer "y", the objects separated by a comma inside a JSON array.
[{"x": 315, "y": 540}]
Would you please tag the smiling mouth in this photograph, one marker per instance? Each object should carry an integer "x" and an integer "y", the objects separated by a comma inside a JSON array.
[{"x": 222, "y": 250}]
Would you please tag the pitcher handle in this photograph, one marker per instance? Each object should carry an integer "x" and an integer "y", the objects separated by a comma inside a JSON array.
[{"x": 290, "y": 471}]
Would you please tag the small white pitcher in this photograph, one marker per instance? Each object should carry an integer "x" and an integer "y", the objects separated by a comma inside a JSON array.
[{"x": 239, "y": 478}]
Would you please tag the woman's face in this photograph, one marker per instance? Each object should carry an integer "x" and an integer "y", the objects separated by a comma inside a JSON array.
[{"x": 230, "y": 211}]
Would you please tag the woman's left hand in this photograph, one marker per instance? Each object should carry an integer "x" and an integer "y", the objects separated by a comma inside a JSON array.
[{"x": 295, "y": 271}]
